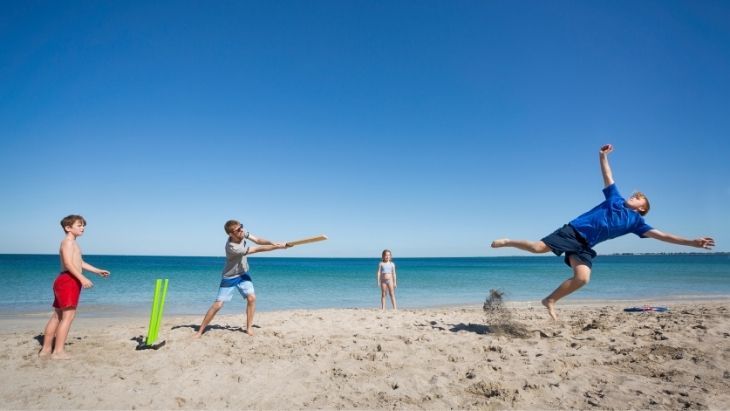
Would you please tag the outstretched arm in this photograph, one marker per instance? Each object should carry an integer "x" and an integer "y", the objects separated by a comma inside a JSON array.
[
  {"x": 702, "y": 242},
  {"x": 262, "y": 248},
  {"x": 605, "y": 167},
  {"x": 264, "y": 245},
  {"x": 88, "y": 267},
  {"x": 259, "y": 240}
]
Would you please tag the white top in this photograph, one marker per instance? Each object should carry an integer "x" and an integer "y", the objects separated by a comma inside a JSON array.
[{"x": 387, "y": 268}]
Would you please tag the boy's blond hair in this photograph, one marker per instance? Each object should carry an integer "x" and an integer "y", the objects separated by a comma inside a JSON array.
[
  {"x": 642, "y": 196},
  {"x": 70, "y": 220},
  {"x": 231, "y": 225}
]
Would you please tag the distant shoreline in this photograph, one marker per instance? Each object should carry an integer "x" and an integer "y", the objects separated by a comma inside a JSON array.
[
  {"x": 660, "y": 254},
  {"x": 694, "y": 253},
  {"x": 110, "y": 311}
]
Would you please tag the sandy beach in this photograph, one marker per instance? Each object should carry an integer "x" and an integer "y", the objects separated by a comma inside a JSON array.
[{"x": 595, "y": 356}]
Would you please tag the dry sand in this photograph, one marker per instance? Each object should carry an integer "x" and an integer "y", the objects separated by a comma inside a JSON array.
[{"x": 595, "y": 356}]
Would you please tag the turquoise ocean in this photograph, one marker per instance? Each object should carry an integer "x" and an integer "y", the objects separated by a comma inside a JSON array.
[{"x": 310, "y": 283}]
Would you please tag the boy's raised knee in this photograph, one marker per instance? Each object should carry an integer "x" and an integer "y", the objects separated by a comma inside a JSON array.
[{"x": 582, "y": 279}]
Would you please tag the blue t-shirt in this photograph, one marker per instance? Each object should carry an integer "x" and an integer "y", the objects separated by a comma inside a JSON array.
[{"x": 610, "y": 219}]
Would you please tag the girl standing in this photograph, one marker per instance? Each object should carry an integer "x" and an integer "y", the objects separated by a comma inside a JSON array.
[{"x": 387, "y": 280}]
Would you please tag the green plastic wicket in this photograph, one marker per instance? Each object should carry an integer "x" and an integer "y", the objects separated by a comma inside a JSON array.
[
  {"x": 158, "y": 303},
  {"x": 153, "y": 314},
  {"x": 161, "y": 308}
]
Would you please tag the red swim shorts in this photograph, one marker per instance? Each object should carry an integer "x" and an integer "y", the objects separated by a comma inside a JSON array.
[{"x": 67, "y": 290}]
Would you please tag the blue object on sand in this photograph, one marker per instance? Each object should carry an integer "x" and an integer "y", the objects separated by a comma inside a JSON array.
[{"x": 645, "y": 308}]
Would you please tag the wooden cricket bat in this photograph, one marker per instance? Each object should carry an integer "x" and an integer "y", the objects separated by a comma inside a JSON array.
[{"x": 307, "y": 240}]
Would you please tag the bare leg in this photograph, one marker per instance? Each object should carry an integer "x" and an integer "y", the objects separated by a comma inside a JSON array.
[
  {"x": 66, "y": 317},
  {"x": 581, "y": 276},
  {"x": 537, "y": 247},
  {"x": 383, "y": 291},
  {"x": 50, "y": 333},
  {"x": 391, "y": 291},
  {"x": 250, "y": 310},
  {"x": 212, "y": 311}
]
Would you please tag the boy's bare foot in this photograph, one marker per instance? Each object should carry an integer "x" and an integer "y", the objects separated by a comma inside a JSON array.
[
  {"x": 249, "y": 332},
  {"x": 550, "y": 305},
  {"x": 60, "y": 356},
  {"x": 196, "y": 336},
  {"x": 44, "y": 355},
  {"x": 500, "y": 243}
]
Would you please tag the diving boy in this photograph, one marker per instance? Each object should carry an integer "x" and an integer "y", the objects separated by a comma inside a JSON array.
[{"x": 612, "y": 218}]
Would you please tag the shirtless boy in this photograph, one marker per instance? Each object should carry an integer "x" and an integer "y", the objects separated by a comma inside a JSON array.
[{"x": 67, "y": 288}]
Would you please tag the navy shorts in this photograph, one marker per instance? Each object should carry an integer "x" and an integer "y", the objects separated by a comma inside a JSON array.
[{"x": 567, "y": 240}]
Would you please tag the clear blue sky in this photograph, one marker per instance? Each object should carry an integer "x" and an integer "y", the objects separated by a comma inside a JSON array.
[{"x": 426, "y": 127}]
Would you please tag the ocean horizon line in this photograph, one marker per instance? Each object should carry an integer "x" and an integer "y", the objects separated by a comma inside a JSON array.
[{"x": 527, "y": 255}]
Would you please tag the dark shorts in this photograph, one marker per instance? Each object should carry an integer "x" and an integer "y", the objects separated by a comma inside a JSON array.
[{"x": 567, "y": 240}]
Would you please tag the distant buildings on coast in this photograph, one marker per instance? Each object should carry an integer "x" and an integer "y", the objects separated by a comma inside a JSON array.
[{"x": 726, "y": 253}]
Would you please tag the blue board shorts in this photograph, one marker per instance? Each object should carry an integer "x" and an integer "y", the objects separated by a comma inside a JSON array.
[
  {"x": 242, "y": 283},
  {"x": 567, "y": 240}
]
